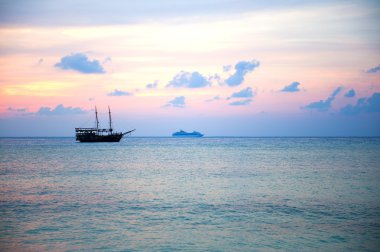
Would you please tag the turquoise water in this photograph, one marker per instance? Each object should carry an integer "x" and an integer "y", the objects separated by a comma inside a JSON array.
[{"x": 214, "y": 194}]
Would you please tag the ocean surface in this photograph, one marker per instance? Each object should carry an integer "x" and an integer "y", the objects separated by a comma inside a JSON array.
[{"x": 204, "y": 194}]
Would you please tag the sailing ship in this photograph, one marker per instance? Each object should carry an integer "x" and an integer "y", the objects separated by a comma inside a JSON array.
[
  {"x": 182, "y": 133},
  {"x": 99, "y": 135}
]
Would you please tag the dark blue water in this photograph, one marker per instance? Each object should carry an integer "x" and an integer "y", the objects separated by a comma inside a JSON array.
[{"x": 216, "y": 194}]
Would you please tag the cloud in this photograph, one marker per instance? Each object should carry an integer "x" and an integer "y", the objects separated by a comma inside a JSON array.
[
  {"x": 216, "y": 78},
  {"x": 371, "y": 105},
  {"x": 373, "y": 70},
  {"x": 227, "y": 68},
  {"x": 177, "y": 102},
  {"x": 97, "y": 12},
  {"x": 293, "y": 87},
  {"x": 241, "y": 103},
  {"x": 245, "y": 93},
  {"x": 324, "y": 105},
  {"x": 152, "y": 85},
  {"x": 189, "y": 80},
  {"x": 117, "y": 92},
  {"x": 79, "y": 62},
  {"x": 215, "y": 98},
  {"x": 17, "y": 110},
  {"x": 106, "y": 60},
  {"x": 60, "y": 110},
  {"x": 350, "y": 93},
  {"x": 241, "y": 69}
]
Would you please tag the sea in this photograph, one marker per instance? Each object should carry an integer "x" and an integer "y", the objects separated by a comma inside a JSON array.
[{"x": 190, "y": 194}]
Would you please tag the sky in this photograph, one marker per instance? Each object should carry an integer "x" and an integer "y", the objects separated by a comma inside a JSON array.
[{"x": 221, "y": 67}]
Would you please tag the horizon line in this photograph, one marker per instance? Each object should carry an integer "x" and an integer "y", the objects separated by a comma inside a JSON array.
[{"x": 274, "y": 136}]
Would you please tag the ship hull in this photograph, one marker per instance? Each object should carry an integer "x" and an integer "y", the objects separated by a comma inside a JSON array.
[
  {"x": 187, "y": 136},
  {"x": 99, "y": 138}
]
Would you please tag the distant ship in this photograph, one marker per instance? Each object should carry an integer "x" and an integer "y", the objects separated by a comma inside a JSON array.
[
  {"x": 182, "y": 133},
  {"x": 99, "y": 135}
]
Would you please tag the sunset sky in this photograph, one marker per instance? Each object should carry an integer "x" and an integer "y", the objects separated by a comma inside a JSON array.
[{"x": 224, "y": 68}]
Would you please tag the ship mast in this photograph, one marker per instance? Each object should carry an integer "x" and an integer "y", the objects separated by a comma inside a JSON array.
[
  {"x": 109, "y": 113},
  {"x": 96, "y": 118}
]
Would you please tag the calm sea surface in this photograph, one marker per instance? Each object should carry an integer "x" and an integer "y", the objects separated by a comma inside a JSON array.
[{"x": 214, "y": 194}]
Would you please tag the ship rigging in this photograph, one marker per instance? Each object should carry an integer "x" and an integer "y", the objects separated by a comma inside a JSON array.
[{"x": 100, "y": 135}]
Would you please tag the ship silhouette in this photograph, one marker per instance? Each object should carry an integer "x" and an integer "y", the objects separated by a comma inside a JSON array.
[
  {"x": 100, "y": 135},
  {"x": 182, "y": 133}
]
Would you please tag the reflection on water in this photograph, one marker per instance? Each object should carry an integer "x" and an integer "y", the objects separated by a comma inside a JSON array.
[{"x": 222, "y": 194}]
